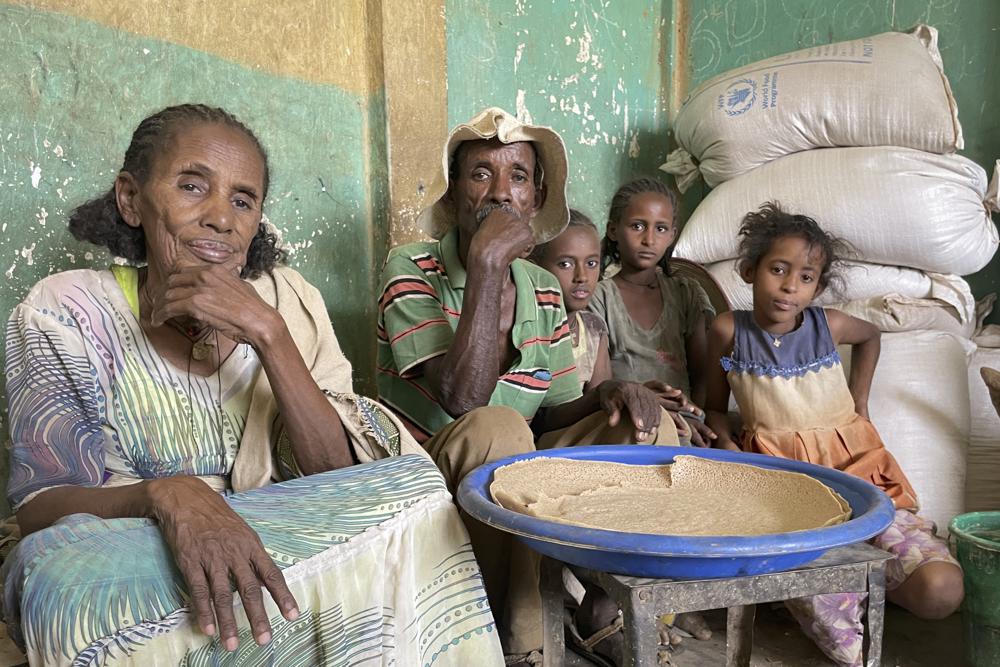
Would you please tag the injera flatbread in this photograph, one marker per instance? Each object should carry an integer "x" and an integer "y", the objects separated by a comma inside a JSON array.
[{"x": 692, "y": 496}]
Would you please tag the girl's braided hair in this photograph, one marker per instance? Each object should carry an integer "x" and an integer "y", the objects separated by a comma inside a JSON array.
[
  {"x": 609, "y": 248},
  {"x": 98, "y": 221}
]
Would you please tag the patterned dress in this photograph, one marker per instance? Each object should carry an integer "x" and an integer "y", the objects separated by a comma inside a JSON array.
[
  {"x": 375, "y": 554},
  {"x": 795, "y": 403},
  {"x": 93, "y": 404}
]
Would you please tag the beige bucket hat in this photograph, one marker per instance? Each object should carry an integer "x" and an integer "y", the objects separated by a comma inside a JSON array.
[{"x": 551, "y": 219}]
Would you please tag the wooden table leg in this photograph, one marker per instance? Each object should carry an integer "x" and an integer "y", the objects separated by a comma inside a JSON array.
[
  {"x": 739, "y": 635},
  {"x": 642, "y": 637},
  {"x": 554, "y": 638},
  {"x": 875, "y": 618}
]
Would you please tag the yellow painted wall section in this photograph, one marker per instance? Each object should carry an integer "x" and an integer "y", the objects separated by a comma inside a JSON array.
[
  {"x": 321, "y": 41},
  {"x": 416, "y": 93}
]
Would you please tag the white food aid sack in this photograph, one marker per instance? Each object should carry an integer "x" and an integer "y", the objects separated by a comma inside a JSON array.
[
  {"x": 886, "y": 90},
  {"x": 919, "y": 403},
  {"x": 893, "y": 298},
  {"x": 860, "y": 281},
  {"x": 895, "y": 206}
]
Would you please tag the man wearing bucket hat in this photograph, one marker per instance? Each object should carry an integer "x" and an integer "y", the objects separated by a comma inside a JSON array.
[{"x": 473, "y": 343}]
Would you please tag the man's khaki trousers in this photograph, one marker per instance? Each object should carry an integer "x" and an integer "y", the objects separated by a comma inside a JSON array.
[{"x": 510, "y": 569}]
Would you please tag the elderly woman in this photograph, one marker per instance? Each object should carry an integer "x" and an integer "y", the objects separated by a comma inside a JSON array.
[{"x": 147, "y": 401}]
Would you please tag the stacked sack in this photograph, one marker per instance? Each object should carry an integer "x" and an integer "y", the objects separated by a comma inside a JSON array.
[{"x": 861, "y": 136}]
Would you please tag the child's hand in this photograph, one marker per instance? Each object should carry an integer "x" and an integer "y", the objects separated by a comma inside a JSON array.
[
  {"x": 726, "y": 443},
  {"x": 683, "y": 429},
  {"x": 672, "y": 399},
  {"x": 701, "y": 434}
]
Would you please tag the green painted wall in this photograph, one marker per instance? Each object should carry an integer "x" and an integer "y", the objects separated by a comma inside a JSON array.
[
  {"x": 591, "y": 70},
  {"x": 73, "y": 90},
  {"x": 607, "y": 75},
  {"x": 729, "y": 33}
]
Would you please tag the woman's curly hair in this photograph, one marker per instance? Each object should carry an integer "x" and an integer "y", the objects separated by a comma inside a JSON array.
[
  {"x": 99, "y": 221},
  {"x": 761, "y": 228},
  {"x": 609, "y": 248}
]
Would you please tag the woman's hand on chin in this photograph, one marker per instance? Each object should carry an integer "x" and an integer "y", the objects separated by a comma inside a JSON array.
[
  {"x": 216, "y": 296},
  {"x": 213, "y": 546}
]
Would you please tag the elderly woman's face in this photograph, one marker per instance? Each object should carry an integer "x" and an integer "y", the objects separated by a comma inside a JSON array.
[{"x": 201, "y": 203}]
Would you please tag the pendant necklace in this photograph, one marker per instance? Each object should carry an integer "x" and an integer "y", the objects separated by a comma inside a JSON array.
[
  {"x": 206, "y": 350},
  {"x": 776, "y": 340},
  {"x": 201, "y": 346},
  {"x": 203, "y": 342}
]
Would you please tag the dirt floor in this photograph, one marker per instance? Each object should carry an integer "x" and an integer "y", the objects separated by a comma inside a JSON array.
[{"x": 778, "y": 642}]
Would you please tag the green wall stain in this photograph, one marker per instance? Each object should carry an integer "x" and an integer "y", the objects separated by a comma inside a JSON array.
[
  {"x": 576, "y": 65},
  {"x": 730, "y": 33},
  {"x": 73, "y": 91},
  {"x": 590, "y": 70}
]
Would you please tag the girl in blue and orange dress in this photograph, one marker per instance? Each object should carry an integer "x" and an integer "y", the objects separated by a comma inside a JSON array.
[{"x": 780, "y": 361}]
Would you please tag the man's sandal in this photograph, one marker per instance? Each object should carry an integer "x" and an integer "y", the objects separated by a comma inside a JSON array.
[
  {"x": 530, "y": 659},
  {"x": 589, "y": 648}
]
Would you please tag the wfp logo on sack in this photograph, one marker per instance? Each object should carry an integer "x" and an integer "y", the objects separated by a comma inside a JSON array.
[{"x": 738, "y": 97}]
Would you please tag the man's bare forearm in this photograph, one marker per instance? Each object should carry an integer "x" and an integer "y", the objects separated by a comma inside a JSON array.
[{"x": 466, "y": 375}]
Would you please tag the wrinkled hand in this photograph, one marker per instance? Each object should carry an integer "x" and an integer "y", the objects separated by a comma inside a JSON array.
[
  {"x": 215, "y": 295},
  {"x": 672, "y": 398},
  {"x": 639, "y": 402},
  {"x": 212, "y": 545},
  {"x": 502, "y": 237}
]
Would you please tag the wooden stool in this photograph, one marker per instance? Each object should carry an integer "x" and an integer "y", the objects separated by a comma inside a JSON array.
[{"x": 858, "y": 568}]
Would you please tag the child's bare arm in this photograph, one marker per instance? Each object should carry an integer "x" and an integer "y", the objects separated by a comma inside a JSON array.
[
  {"x": 719, "y": 344},
  {"x": 697, "y": 354},
  {"x": 865, "y": 341},
  {"x": 602, "y": 364}
]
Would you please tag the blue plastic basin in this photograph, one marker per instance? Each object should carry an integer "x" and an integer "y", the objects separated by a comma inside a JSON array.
[{"x": 680, "y": 557}]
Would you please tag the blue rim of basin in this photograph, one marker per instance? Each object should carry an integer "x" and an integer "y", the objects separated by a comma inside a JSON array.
[{"x": 872, "y": 510}]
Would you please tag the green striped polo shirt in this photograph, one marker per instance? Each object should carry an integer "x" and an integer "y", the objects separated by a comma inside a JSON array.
[{"x": 421, "y": 300}]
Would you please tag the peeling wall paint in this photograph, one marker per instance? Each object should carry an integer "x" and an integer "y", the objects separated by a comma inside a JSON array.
[
  {"x": 610, "y": 76},
  {"x": 588, "y": 68},
  {"x": 312, "y": 40},
  {"x": 724, "y": 34},
  {"x": 72, "y": 92},
  {"x": 416, "y": 113}
]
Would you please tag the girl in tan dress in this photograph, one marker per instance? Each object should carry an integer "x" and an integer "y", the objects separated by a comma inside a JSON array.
[{"x": 656, "y": 320}]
